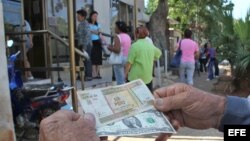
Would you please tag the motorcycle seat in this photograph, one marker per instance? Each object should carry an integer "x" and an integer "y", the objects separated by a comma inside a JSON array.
[{"x": 37, "y": 90}]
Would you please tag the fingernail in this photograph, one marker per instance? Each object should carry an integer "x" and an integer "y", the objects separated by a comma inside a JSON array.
[
  {"x": 159, "y": 102},
  {"x": 90, "y": 117}
]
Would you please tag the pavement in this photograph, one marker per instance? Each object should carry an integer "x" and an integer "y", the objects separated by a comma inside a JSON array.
[{"x": 184, "y": 134}]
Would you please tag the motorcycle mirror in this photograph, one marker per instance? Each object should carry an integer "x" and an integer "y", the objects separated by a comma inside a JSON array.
[
  {"x": 52, "y": 88},
  {"x": 10, "y": 43}
]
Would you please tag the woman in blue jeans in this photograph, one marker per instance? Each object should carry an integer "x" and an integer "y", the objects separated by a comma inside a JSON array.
[
  {"x": 190, "y": 50},
  {"x": 122, "y": 44},
  {"x": 212, "y": 63}
]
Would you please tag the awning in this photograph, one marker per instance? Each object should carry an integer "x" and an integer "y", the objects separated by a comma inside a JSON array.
[
  {"x": 142, "y": 17},
  {"x": 129, "y": 2}
]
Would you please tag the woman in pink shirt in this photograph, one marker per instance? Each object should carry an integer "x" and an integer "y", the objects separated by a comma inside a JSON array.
[
  {"x": 122, "y": 43},
  {"x": 190, "y": 50}
]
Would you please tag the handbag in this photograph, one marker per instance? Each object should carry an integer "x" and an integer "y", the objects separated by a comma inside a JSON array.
[
  {"x": 176, "y": 61},
  {"x": 114, "y": 58}
]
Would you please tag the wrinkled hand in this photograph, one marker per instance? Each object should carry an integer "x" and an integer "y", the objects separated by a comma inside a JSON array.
[
  {"x": 189, "y": 107},
  {"x": 68, "y": 126}
]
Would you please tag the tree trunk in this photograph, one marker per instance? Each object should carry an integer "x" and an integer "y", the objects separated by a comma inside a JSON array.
[{"x": 158, "y": 26}]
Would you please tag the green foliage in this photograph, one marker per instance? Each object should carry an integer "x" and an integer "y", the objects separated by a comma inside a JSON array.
[
  {"x": 220, "y": 31},
  {"x": 187, "y": 12},
  {"x": 230, "y": 37},
  {"x": 151, "y": 6},
  {"x": 242, "y": 29},
  {"x": 184, "y": 11}
]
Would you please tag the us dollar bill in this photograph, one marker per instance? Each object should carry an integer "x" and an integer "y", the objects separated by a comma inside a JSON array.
[
  {"x": 149, "y": 122},
  {"x": 115, "y": 103}
]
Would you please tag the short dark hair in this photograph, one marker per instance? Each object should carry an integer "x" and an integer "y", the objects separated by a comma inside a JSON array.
[
  {"x": 82, "y": 12},
  {"x": 122, "y": 26},
  {"x": 90, "y": 17},
  {"x": 188, "y": 33},
  {"x": 142, "y": 32}
]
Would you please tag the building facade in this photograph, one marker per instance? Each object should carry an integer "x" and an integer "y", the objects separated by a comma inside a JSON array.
[{"x": 52, "y": 15}]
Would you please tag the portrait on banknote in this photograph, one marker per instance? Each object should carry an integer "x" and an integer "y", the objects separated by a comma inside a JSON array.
[{"x": 132, "y": 122}]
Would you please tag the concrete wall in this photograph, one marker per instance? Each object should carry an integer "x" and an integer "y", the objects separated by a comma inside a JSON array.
[
  {"x": 104, "y": 17},
  {"x": 141, "y": 6},
  {"x": 6, "y": 123},
  {"x": 141, "y": 16}
]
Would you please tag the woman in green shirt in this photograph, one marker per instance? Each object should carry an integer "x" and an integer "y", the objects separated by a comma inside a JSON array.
[{"x": 141, "y": 58}]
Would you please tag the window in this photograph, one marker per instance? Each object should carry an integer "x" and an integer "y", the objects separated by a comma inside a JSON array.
[
  {"x": 12, "y": 14},
  {"x": 57, "y": 16},
  {"x": 84, "y": 4},
  {"x": 114, "y": 14}
]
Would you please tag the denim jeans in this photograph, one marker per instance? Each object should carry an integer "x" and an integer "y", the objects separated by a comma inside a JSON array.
[
  {"x": 119, "y": 71},
  {"x": 216, "y": 67},
  {"x": 211, "y": 69},
  {"x": 203, "y": 62},
  {"x": 186, "y": 71}
]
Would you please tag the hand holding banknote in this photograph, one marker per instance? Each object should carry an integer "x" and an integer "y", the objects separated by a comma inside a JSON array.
[
  {"x": 124, "y": 110},
  {"x": 190, "y": 107},
  {"x": 68, "y": 126},
  {"x": 180, "y": 102}
]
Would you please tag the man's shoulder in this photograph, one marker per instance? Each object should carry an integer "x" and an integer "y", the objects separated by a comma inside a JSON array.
[
  {"x": 189, "y": 41},
  {"x": 84, "y": 23},
  {"x": 137, "y": 44}
]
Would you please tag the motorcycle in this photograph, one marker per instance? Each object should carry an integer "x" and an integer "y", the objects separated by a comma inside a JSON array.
[{"x": 31, "y": 103}]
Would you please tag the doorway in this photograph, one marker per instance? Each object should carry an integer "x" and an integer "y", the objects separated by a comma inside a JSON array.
[{"x": 34, "y": 14}]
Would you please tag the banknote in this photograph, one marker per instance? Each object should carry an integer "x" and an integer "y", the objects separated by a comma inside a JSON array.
[
  {"x": 112, "y": 104},
  {"x": 149, "y": 122}
]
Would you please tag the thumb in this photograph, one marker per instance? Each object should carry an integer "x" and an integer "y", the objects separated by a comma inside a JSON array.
[
  {"x": 167, "y": 104},
  {"x": 89, "y": 116}
]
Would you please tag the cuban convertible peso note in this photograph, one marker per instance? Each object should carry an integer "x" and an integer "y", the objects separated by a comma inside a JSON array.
[{"x": 112, "y": 104}]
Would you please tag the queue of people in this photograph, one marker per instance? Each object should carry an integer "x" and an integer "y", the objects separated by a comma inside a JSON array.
[
  {"x": 129, "y": 69},
  {"x": 89, "y": 39},
  {"x": 136, "y": 59}
]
